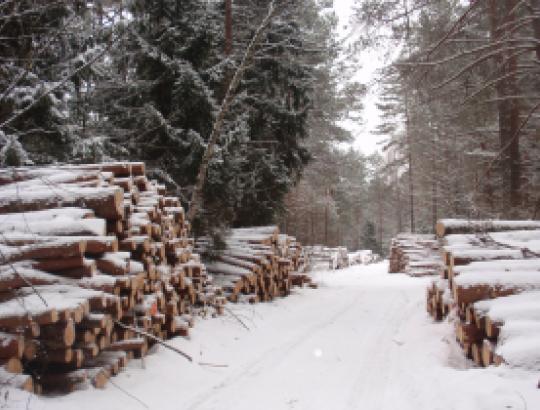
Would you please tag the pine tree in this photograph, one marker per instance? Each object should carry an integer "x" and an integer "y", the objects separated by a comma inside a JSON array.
[
  {"x": 33, "y": 120},
  {"x": 369, "y": 239}
]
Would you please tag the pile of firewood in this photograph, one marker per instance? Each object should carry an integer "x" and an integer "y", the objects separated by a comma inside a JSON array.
[
  {"x": 257, "y": 264},
  {"x": 92, "y": 258},
  {"x": 415, "y": 255},
  {"x": 491, "y": 281}
]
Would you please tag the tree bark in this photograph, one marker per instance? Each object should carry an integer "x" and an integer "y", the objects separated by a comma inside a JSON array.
[
  {"x": 502, "y": 15},
  {"x": 535, "y": 6},
  {"x": 228, "y": 27}
]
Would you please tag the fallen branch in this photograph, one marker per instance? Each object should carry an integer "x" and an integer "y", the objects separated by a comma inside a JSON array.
[{"x": 155, "y": 339}]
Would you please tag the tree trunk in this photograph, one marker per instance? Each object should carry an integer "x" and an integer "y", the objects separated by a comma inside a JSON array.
[
  {"x": 535, "y": 5},
  {"x": 228, "y": 27},
  {"x": 326, "y": 218},
  {"x": 508, "y": 107},
  {"x": 409, "y": 158},
  {"x": 380, "y": 214}
]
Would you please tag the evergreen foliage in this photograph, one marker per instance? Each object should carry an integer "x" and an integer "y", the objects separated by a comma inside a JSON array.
[
  {"x": 143, "y": 80},
  {"x": 369, "y": 240}
]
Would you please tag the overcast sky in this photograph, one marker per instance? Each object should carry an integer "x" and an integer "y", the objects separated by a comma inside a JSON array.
[{"x": 368, "y": 63}]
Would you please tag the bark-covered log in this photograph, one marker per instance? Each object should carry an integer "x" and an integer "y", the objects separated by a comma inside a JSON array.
[
  {"x": 106, "y": 202},
  {"x": 460, "y": 226},
  {"x": 11, "y": 346}
]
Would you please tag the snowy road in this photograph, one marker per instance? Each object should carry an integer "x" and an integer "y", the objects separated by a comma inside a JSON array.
[{"x": 361, "y": 341}]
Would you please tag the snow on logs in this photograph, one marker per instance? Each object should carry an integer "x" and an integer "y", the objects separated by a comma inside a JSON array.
[
  {"x": 96, "y": 262},
  {"x": 82, "y": 250},
  {"x": 463, "y": 226},
  {"x": 319, "y": 256},
  {"x": 258, "y": 264},
  {"x": 492, "y": 281},
  {"x": 415, "y": 255}
]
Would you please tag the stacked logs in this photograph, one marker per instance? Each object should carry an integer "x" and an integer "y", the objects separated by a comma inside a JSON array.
[
  {"x": 91, "y": 258},
  {"x": 327, "y": 258},
  {"x": 415, "y": 255},
  {"x": 491, "y": 280},
  {"x": 508, "y": 330},
  {"x": 257, "y": 264}
]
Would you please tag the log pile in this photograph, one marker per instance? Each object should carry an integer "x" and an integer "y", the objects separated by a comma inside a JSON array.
[
  {"x": 363, "y": 257},
  {"x": 326, "y": 257},
  {"x": 415, "y": 255},
  {"x": 258, "y": 264},
  {"x": 491, "y": 281},
  {"x": 508, "y": 330},
  {"x": 91, "y": 256}
]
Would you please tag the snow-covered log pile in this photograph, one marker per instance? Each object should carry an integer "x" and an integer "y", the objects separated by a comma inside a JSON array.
[
  {"x": 363, "y": 257},
  {"x": 415, "y": 255},
  {"x": 492, "y": 281},
  {"x": 257, "y": 264},
  {"x": 328, "y": 258},
  {"x": 90, "y": 257}
]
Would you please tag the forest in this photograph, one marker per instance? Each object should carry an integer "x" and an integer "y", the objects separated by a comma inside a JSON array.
[
  {"x": 191, "y": 216},
  {"x": 92, "y": 81}
]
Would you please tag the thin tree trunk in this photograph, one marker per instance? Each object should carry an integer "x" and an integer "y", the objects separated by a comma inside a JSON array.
[
  {"x": 312, "y": 226},
  {"x": 398, "y": 203},
  {"x": 535, "y": 5},
  {"x": 228, "y": 27},
  {"x": 380, "y": 214},
  {"x": 514, "y": 123},
  {"x": 409, "y": 158},
  {"x": 434, "y": 175},
  {"x": 408, "y": 131},
  {"x": 326, "y": 218}
]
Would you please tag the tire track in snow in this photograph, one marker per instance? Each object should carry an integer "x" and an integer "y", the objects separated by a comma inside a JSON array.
[
  {"x": 273, "y": 357},
  {"x": 371, "y": 385}
]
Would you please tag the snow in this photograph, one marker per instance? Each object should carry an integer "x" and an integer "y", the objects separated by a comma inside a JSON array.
[
  {"x": 489, "y": 254},
  {"x": 15, "y": 238},
  {"x": 98, "y": 281},
  {"x": 519, "y": 337},
  {"x": 363, "y": 340},
  {"x": 46, "y": 214},
  {"x": 495, "y": 225},
  {"x": 14, "y": 270},
  {"x": 58, "y": 297},
  {"x": 521, "y": 351},
  {"x": 514, "y": 279},
  {"x": 57, "y": 226},
  {"x": 35, "y": 192},
  {"x": 519, "y": 239},
  {"x": 49, "y": 175},
  {"x": 461, "y": 240},
  {"x": 500, "y": 265}
]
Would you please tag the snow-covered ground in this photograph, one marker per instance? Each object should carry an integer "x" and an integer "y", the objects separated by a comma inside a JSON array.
[{"x": 363, "y": 340}]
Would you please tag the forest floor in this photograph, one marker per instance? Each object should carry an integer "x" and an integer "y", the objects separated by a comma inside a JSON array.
[{"x": 363, "y": 340}]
